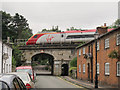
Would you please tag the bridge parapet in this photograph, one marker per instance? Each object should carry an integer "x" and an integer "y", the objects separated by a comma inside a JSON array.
[{"x": 47, "y": 46}]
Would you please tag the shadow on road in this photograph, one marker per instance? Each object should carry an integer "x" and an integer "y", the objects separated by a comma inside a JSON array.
[{"x": 42, "y": 74}]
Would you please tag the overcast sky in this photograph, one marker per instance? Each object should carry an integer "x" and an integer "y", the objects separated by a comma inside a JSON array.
[{"x": 83, "y": 14}]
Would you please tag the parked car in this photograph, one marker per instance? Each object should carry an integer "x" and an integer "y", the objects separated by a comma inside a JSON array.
[
  {"x": 4, "y": 85},
  {"x": 26, "y": 69},
  {"x": 26, "y": 78},
  {"x": 11, "y": 82}
]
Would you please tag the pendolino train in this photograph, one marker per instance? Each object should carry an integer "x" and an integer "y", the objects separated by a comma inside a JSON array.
[{"x": 62, "y": 37}]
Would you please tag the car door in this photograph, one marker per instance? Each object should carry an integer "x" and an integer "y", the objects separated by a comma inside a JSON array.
[
  {"x": 22, "y": 85},
  {"x": 16, "y": 84}
]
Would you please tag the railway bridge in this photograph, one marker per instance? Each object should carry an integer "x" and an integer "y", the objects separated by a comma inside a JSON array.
[{"x": 61, "y": 55}]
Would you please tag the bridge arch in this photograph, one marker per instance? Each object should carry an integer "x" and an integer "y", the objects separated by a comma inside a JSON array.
[
  {"x": 43, "y": 60},
  {"x": 61, "y": 54}
]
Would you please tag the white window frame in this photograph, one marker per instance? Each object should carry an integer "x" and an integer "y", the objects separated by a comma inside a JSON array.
[
  {"x": 79, "y": 52},
  {"x": 107, "y": 69},
  {"x": 98, "y": 69},
  {"x": 98, "y": 48},
  {"x": 83, "y": 68},
  {"x": 118, "y": 39},
  {"x": 106, "y": 43},
  {"x": 84, "y": 50},
  {"x": 118, "y": 68},
  {"x": 79, "y": 68}
]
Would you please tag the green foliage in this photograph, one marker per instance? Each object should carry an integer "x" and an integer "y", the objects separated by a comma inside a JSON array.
[
  {"x": 72, "y": 72},
  {"x": 15, "y": 27},
  {"x": 13, "y": 62},
  {"x": 72, "y": 28},
  {"x": 72, "y": 68},
  {"x": 82, "y": 42},
  {"x": 73, "y": 63},
  {"x": 54, "y": 29},
  {"x": 114, "y": 55},
  {"x": 16, "y": 60},
  {"x": 116, "y": 24}
]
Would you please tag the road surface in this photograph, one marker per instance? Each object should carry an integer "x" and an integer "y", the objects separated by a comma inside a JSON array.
[{"x": 48, "y": 81}]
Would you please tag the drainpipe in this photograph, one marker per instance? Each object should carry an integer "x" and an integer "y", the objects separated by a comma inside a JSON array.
[{"x": 2, "y": 60}]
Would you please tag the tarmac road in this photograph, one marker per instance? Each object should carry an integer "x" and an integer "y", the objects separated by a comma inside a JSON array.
[{"x": 48, "y": 81}]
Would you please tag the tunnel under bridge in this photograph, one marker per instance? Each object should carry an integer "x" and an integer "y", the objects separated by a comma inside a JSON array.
[{"x": 60, "y": 56}]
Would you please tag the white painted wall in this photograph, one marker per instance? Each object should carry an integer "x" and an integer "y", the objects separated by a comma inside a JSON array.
[
  {"x": 0, "y": 56},
  {"x": 7, "y": 62}
]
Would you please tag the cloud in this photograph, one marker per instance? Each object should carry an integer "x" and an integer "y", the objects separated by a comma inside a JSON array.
[{"x": 64, "y": 14}]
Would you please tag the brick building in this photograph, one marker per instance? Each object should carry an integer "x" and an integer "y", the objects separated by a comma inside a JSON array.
[{"x": 108, "y": 68}]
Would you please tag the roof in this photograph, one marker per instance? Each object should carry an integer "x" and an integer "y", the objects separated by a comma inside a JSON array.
[
  {"x": 18, "y": 73},
  {"x": 24, "y": 67},
  {"x": 7, "y": 77},
  {"x": 109, "y": 32}
]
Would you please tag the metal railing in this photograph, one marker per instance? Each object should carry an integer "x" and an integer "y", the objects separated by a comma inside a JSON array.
[{"x": 16, "y": 41}]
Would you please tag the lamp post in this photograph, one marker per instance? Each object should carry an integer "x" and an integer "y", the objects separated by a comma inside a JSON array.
[{"x": 96, "y": 35}]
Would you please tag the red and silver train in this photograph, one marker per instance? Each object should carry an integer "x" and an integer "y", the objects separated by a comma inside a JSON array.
[{"x": 62, "y": 37}]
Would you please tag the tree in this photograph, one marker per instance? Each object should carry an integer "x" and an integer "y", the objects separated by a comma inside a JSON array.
[
  {"x": 116, "y": 24},
  {"x": 16, "y": 58},
  {"x": 15, "y": 27},
  {"x": 6, "y": 28},
  {"x": 21, "y": 26},
  {"x": 73, "y": 63},
  {"x": 54, "y": 29}
]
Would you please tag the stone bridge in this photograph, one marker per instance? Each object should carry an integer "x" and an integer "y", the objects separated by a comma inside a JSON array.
[{"x": 62, "y": 54}]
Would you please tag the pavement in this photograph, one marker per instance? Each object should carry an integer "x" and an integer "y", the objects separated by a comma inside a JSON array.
[{"x": 86, "y": 84}]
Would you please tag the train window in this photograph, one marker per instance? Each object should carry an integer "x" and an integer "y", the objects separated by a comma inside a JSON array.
[
  {"x": 35, "y": 36},
  {"x": 79, "y": 36},
  {"x": 62, "y": 35}
]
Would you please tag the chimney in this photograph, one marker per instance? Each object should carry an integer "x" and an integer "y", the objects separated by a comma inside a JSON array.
[{"x": 102, "y": 30}]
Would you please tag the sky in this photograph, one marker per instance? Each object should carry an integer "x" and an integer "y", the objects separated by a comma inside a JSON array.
[{"x": 43, "y": 14}]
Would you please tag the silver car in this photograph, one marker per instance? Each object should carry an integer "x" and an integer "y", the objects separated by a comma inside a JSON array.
[
  {"x": 26, "y": 78},
  {"x": 11, "y": 82}
]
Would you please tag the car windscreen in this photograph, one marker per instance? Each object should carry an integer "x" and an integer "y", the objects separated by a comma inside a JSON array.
[{"x": 25, "y": 70}]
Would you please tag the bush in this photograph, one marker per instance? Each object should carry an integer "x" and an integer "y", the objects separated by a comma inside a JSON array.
[
  {"x": 72, "y": 72},
  {"x": 73, "y": 63},
  {"x": 114, "y": 55}
]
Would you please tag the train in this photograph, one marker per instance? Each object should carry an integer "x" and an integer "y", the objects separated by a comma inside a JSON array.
[{"x": 75, "y": 36}]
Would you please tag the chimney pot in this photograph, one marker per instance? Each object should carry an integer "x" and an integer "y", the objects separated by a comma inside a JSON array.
[{"x": 104, "y": 24}]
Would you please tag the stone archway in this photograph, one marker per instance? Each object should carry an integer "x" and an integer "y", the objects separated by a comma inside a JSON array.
[
  {"x": 43, "y": 62},
  {"x": 64, "y": 69}
]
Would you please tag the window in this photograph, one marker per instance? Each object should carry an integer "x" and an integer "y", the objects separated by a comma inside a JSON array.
[
  {"x": 97, "y": 68},
  {"x": 118, "y": 68},
  {"x": 83, "y": 68},
  {"x": 79, "y": 52},
  {"x": 6, "y": 68},
  {"x": 79, "y": 36},
  {"x": 62, "y": 35},
  {"x": 107, "y": 43},
  {"x": 83, "y": 50},
  {"x": 97, "y": 45},
  {"x": 16, "y": 84},
  {"x": 107, "y": 69},
  {"x": 118, "y": 39},
  {"x": 35, "y": 36},
  {"x": 79, "y": 68},
  {"x": 22, "y": 86}
]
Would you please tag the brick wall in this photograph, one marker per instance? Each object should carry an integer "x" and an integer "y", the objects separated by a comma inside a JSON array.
[{"x": 102, "y": 58}]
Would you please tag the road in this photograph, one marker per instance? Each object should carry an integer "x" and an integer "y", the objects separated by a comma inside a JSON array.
[{"x": 48, "y": 81}]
